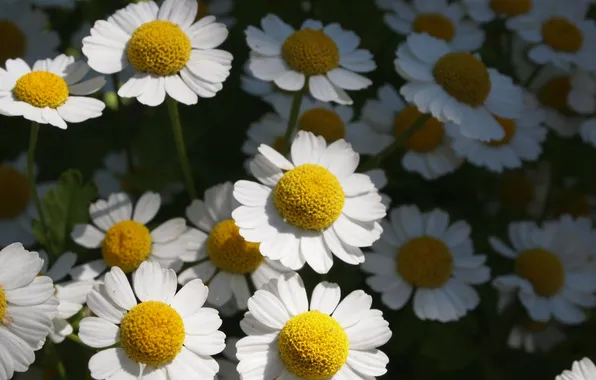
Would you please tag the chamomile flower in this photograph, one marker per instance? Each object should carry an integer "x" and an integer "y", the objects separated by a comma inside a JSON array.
[
  {"x": 24, "y": 33},
  {"x": 581, "y": 370},
  {"x": 324, "y": 59},
  {"x": 310, "y": 208},
  {"x": 218, "y": 8},
  {"x": 70, "y": 294},
  {"x": 582, "y": 94},
  {"x": 535, "y": 336},
  {"x": 560, "y": 33},
  {"x": 227, "y": 365},
  {"x": 44, "y": 94},
  {"x": 421, "y": 253},
  {"x": 487, "y": 10},
  {"x": 439, "y": 19},
  {"x": 27, "y": 307},
  {"x": 17, "y": 209},
  {"x": 169, "y": 51},
  {"x": 524, "y": 190},
  {"x": 225, "y": 258},
  {"x": 457, "y": 87},
  {"x": 124, "y": 238},
  {"x": 167, "y": 334},
  {"x": 292, "y": 338},
  {"x": 551, "y": 278},
  {"x": 428, "y": 151}
]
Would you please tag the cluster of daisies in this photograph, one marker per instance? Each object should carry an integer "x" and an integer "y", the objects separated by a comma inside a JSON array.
[{"x": 150, "y": 304}]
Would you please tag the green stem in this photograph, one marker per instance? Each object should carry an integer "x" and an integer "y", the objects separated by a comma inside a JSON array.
[
  {"x": 179, "y": 138},
  {"x": 375, "y": 161},
  {"x": 292, "y": 120},
  {"x": 75, "y": 338},
  {"x": 535, "y": 73},
  {"x": 124, "y": 133},
  {"x": 60, "y": 369},
  {"x": 33, "y": 187}
]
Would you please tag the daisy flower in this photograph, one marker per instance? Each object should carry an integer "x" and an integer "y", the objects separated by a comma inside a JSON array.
[
  {"x": 254, "y": 86},
  {"x": 169, "y": 52},
  {"x": 535, "y": 336},
  {"x": 457, "y": 87},
  {"x": 218, "y": 8},
  {"x": 551, "y": 278},
  {"x": 428, "y": 151},
  {"x": 581, "y": 370},
  {"x": 225, "y": 258},
  {"x": 44, "y": 94},
  {"x": 560, "y": 34},
  {"x": 421, "y": 253},
  {"x": 437, "y": 18},
  {"x": 324, "y": 59},
  {"x": 292, "y": 338},
  {"x": 24, "y": 33},
  {"x": 165, "y": 335},
  {"x": 112, "y": 178},
  {"x": 27, "y": 307},
  {"x": 525, "y": 190},
  {"x": 310, "y": 208},
  {"x": 70, "y": 294},
  {"x": 487, "y": 10},
  {"x": 17, "y": 209},
  {"x": 227, "y": 365},
  {"x": 124, "y": 238}
]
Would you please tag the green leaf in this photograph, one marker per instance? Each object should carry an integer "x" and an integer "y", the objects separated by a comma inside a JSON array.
[{"x": 447, "y": 344}]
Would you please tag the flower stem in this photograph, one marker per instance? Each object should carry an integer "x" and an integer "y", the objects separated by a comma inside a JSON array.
[
  {"x": 376, "y": 161},
  {"x": 533, "y": 75},
  {"x": 180, "y": 147},
  {"x": 292, "y": 120},
  {"x": 75, "y": 338}
]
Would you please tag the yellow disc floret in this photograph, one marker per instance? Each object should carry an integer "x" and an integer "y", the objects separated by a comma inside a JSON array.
[
  {"x": 464, "y": 77},
  {"x": 310, "y": 52},
  {"x": 14, "y": 192},
  {"x": 425, "y": 262},
  {"x": 436, "y": 25},
  {"x": 511, "y": 8},
  {"x": 323, "y": 122},
  {"x": 3, "y": 304},
  {"x": 13, "y": 43},
  {"x": 152, "y": 333},
  {"x": 41, "y": 89},
  {"x": 509, "y": 128},
  {"x": 309, "y": 197},
  {"x": 126, "y": 245},
  {"x": 230, "y": 252},
  {"x": 313, "y": 346},
  {"x": 543, "y": 269},
  {"x": 159, "y": 47},
  {"x": 554, "y": 94},
  {"x": 426, "y": 139},
  {"x": 562, "y": 35}
]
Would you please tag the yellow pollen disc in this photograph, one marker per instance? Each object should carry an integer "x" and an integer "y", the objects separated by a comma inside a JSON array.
[
  {"x": 202, "y": 11},
  {"x": 425, "y": 262},
  {"x": 158, "y": 47},
  {"x": 426, "y": 139},
  {"x": 13, "y": 43},
  {"x": 3, "y": 304},
  {"x": 313, "y": 345},
  {"x": 562, "y": 35},
  {"x": 554, "y": 94},
  {"x": 566, "y": 201},
  {"x": 516, "y": 190},
  {"x": 323, "y": 122},
  {"x": 126, "y": 245},
  {"x": 509, "y": 127},
  {"x": 436, "y": 25},
  {"x": 14, "y": 192},
  {"x": 41, "y": 89},
  {"x": 309, "y": 197},
  {"x": 310, "y": 52},
  {"x": 464, "y": 77},
  {"x": 230, "y": 252},
  {"x": 543, "y": 269},
  {"x": 152, "y": 333},
  {"x": 511, "y": 7}
]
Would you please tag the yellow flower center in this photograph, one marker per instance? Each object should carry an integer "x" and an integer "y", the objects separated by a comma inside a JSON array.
[
  {"x": 126, "y": 245},
  {"x": 425, "y": 262},
  {"x": 13, "y": 43},
  {"x": 543, "y": 269},
  {"x": 562, "y": 35},
  {"x": 566, "y": 201},
  {"x": 158, "y": 47},
  {"x": 309, "y": 197},
  {"x": 202, "y": 11},
  {"x": 509, "y": 127},
  {"x": 426, "y": 139},
  {"x": 3, "y": 304},
  {"x": 313, "y": 345},
  {"x": 310, "y": 52},
  {"x": 41, "y": 89},
  {"x": 436, "y": 25},
  {"x": 323, "y": 122},
  {"x": 152, "y": 333},
  {"x": 511, "y": 8},
  {"x": 14, "y": 192},
  {"x": 464, "y": 77},
  {"x": 554, "y": 94},
  {"x": 516, "y": 190},
  {"x": 230, "y": 252}
]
